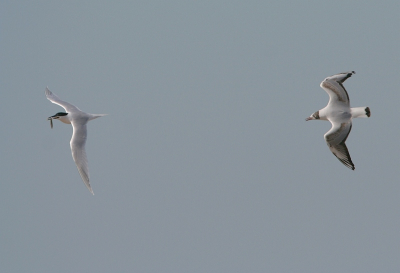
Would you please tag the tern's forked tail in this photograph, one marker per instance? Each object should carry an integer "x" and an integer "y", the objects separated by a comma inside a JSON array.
[{"x": 94, "y": 116}]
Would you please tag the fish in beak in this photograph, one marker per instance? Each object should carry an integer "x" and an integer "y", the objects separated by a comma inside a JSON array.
[{"x": 51, "y": 122}]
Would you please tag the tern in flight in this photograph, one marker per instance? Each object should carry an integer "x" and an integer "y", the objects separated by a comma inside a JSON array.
[
  {"x": 78, "y": 119},
  {"x": 340, "y": 114}
]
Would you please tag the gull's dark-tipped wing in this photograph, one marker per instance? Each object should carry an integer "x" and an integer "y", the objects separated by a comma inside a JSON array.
[
  {"x": 335, "y": 139},
  {"x": 333, "y": 85}
]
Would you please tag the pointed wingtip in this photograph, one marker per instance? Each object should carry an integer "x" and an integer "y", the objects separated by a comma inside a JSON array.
[
  {"x": 47, "y": 91},
  {"x": 90, "y": 189},
  {"x": 349, "y": 74}
]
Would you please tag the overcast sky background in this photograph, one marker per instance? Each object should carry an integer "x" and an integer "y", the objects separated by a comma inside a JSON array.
[{"x": 205, "y": 162}]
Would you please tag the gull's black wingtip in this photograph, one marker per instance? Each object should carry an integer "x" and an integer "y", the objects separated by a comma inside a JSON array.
[{"x": 351, "y": 73}]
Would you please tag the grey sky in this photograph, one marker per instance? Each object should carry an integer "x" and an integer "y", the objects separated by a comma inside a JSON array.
[{"x": 205, "y": 162}]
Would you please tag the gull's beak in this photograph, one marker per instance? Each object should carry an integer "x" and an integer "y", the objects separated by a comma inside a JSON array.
[{"x": 51, "y": 122}]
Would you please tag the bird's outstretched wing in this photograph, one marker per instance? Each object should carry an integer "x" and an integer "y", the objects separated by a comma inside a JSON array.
[
  {"x": 333, "y": 85},
  {"x": 77, "y": 143},
  {"x": 56, "y": 100},
  {"x": 336, "y": 138}
]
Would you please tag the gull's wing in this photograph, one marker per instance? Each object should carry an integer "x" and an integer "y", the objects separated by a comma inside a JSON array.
[
  {"x": 77, "y": 143},
  {"x": 56, "y": 100},
  {"x": 333, "y": 85},
  {"x": 336, "y": 138}
]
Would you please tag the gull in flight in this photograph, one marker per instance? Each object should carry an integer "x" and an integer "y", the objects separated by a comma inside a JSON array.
[
  {"x": 339, "y": 113},
  {"x": 78, "y": 119}
]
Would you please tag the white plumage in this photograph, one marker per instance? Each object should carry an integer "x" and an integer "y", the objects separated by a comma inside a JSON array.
[
  {"x": 78, "y": 119},
  {"x": 340, "y": 114}
]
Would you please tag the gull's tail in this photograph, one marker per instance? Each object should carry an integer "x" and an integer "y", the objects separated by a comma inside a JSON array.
[{"x": 360, "y": 112}]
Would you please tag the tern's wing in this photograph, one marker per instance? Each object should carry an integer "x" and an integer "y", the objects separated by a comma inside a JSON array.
[
  {"x": 77, "y": 143},
  {"x": 56, "y": 100},
  {"x": 333, "y": 85},
  {"x": 336, "y": 138}
]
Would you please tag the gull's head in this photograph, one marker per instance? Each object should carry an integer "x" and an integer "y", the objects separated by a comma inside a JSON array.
[
  {"x": 313, "y": 116},
  {"x": 60, "y": 116}
]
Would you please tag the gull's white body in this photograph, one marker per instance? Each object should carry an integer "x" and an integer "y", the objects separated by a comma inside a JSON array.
[
  {"x": 78, "y": 119},
  {"x": 340, "y": 114}
]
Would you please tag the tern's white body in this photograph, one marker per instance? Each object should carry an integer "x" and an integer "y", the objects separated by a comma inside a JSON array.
[
  {"x": 78, "y": 119},
  {"x": 340, "y": 114}
]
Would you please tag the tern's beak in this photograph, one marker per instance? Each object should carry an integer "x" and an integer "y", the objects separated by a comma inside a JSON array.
[{"x": 309, "y": 118}]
